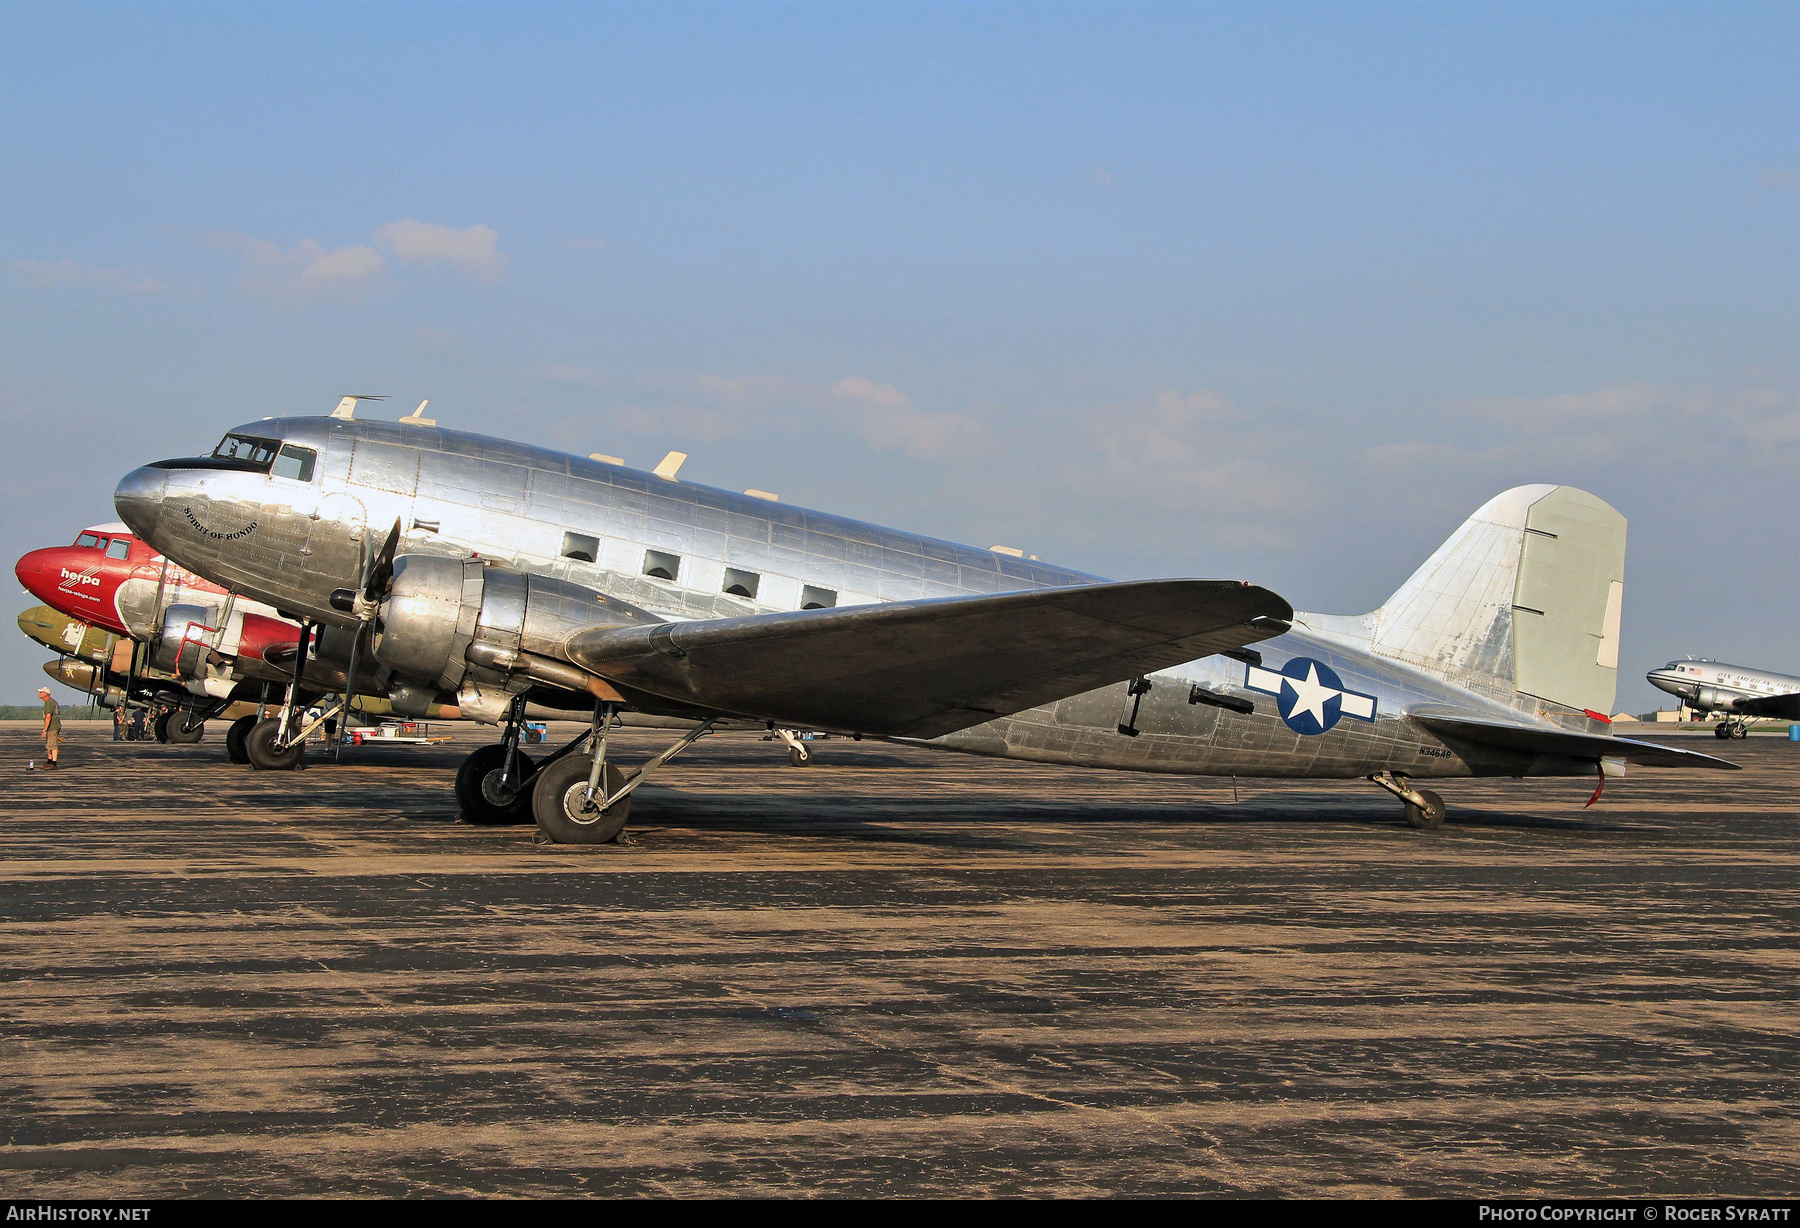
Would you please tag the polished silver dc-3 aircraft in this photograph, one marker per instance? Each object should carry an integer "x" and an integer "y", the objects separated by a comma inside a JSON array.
[
  {"x": 461, "y": 570},
  {"x": 1737, "y": 692}
]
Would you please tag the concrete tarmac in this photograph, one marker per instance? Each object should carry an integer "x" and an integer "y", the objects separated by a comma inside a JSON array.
[{"x": 895, "y": 972}]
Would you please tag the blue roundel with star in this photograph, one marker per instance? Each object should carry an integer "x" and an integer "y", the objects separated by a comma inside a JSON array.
[{"x": 1309, "y": 695}]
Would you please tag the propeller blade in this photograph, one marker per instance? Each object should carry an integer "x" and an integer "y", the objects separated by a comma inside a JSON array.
[
  {"x": 381, "y": 567},
  {"x": 356, "y": 652}
]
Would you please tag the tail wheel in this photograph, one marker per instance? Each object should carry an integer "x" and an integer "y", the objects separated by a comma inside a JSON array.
[
  {"x": 235, "y": 735},
  {"x": 259, "y": 748},
  {"x": 561, "y": 807},
  {"x": 478, "y": 793},
  {"x": 799, "y": 756},
  {"x": 1428, "y": 816}
]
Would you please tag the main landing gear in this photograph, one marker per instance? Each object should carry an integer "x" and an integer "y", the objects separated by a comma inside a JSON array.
[
  {"x": 1424, "y": 809},
  {"x": 587, "y": 803},
  {"x": 235, "y": 735},
  {"x": 574, "y": 798},
  {"x": 1729, "y": 728},
  {"x": 493, "y": 785}
]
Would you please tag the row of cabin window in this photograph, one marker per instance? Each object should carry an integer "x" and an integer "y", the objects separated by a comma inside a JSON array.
[{"x": 660, "y": 565}]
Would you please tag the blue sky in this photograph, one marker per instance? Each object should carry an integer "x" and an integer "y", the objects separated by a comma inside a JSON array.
[{"x": 1277, "y": 291}]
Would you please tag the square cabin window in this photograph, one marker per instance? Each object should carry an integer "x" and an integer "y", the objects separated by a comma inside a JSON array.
[
  {"x": 118, "y": 548},
  {"x": 817, "y": 598},
  {"x": 88, "y": 540},
  {"x": 295, "y": 463},
  {"x": 580, "y": 547},
  {"x": 740, "y": 583},
  {"x": 660, "y": 566}
]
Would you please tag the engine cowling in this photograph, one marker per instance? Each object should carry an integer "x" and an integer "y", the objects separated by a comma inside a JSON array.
[
  {"x": 483, "y": 632},
  {"x": 1709, "y": 699},
  {"x": 184, "y": 639}
]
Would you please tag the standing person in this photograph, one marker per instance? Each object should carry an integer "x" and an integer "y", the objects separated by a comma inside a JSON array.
[
  {"x": 119, "y": 723},
  {"x": 52, "y": 734}
]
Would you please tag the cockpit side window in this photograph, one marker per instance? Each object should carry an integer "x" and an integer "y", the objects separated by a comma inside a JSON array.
[
  {"x": 260, "y": 452},
  {"x": 295, "y": 462},
  {"x": 88, "y": 540},
  {"x": 118, "y": 548}
]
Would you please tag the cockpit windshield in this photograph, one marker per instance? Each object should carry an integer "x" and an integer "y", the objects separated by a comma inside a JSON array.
[{"x": 249, "y": 450}]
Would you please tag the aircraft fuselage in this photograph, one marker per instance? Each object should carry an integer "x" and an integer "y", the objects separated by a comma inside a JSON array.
[{"x": 291, "y": 531}]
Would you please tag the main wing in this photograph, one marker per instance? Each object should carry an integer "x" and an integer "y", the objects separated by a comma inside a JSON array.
[
  {"x": 930, "y": 667},
  {"x": 1782, "y": 707},
  {"x": 1543, "y": 740}
]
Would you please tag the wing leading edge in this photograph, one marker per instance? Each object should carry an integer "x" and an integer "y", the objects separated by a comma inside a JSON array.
[{"x": 930, "y": 667}]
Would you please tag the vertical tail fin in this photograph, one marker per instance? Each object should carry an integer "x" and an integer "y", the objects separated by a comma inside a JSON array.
[{"x": 1523, "y": 600}]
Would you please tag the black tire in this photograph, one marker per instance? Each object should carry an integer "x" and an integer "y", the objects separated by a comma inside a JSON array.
[
  {"x": 562, "y": 811},
  {"x": 259, "y": 748},
  {"x": 1742, "y": 731},
  {"x": 1722, "y": 732},
  {"x": 159, "y": 727},
  {"x": 1430, "y": 816},
  {"x": 799, "y": 756},
  {"x": 235, "y": 735},
  {"x": 181, "y": 732},
  {"x": 476, "y": 806}
]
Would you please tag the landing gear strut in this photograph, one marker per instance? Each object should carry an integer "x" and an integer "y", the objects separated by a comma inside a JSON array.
[
  {"x": 493, "y": 785},
  {"x": 799, "y": 753},
  {"x": 1424, "y": 809},
  {"x": 1730, "y": 728},
  {"x": 578, "y": 802}
]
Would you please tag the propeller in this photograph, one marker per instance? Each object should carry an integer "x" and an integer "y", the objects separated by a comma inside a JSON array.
[{"x": 376, "y": 570}]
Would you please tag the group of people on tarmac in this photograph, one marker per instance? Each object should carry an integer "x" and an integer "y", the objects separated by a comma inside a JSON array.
[{"x": 132, "y": 726}]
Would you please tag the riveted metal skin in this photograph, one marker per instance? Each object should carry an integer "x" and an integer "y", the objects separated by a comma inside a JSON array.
[{"x": 474, "y": 508}]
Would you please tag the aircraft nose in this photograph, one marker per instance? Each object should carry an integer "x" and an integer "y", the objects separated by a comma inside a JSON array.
[
  {"x": 139, "y": 498},
  {"x": 35, "y": 568}
]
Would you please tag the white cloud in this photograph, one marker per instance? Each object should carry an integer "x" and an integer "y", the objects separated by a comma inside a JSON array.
[
  {"x": 44, "y": 274},
  {"x": 712, "y": 407},
  {"x": 888, "y": 419},
  {"x": 305, "y": 271},
  {"x": 473, "y": 252}
]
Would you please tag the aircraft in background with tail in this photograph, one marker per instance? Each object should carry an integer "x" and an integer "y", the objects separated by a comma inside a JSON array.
[{"x": 481, "y": 574}]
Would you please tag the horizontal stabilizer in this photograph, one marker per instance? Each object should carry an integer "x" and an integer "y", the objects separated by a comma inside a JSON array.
[
  {"x": 1781, "y": 707},
  {"x": 930, "y": 667},
  {"x": 1543, "y": 740}
]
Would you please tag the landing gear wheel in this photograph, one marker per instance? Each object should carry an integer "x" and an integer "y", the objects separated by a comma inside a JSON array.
[
  {"x": 476, "y": 788},
  {"x": 1428, "y": 816},
  {"x": 560, "y": 805},
  {"x": 1741, "y": 731},
  {"x": 799, "y": 756},
  {"x": 259, "y": 748},
  {"x": 235, "y": 735},
  {"x": 160, "y": 726},
  {"x": 1722, "y": 732},
  {"x": 180, "y": 731}
]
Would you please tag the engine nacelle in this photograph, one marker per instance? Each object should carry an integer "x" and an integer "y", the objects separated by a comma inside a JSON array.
[
  {"x": 485, "y": 633},
  {"x": 184, "y": 638},
  {"x": 1709, "y": 699}
]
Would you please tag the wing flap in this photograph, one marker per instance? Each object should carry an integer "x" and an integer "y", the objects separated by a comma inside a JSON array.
[
  {"x": 1543, "y": 740},
  {"x": 929, "y": 667}
]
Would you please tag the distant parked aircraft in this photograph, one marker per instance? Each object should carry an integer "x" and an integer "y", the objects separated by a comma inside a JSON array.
[{"x": 1736, "y": 691}]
